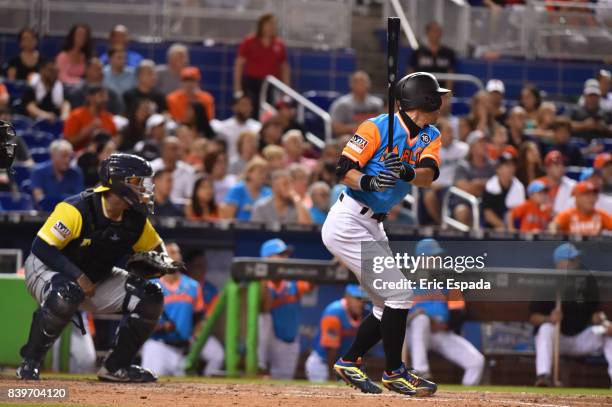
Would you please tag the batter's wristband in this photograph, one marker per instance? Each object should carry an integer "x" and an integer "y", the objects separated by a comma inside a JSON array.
[{"x": 365, "y": 183}]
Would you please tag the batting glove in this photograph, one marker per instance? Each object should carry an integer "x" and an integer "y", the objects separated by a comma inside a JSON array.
[
  {"x": 384, "y": 180},
  {"x": 402, "y": 171}
]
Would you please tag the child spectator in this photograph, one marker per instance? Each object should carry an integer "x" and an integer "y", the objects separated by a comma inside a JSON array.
[
  {"x": 529, "y": 163},
  {"x": 203, "y": 204},
  {"x": 55, "y": 180},
  {"x": 585, "y": 219},
  {"x": 44, "y": 99},
  {"x": 559, "y": 185},
  {"x": 502, "y": 192},
  {"x": 117, "y": 75},
  {"x": 241, "y": 197},
  {"x": 190, "y": 92},
  {"x": 534, "y": 214},
  {"x": 27, "y": 62},
  {"x": 78, "y": 48},
  {"x": 499, "y": 143},
  {"x": 85, "y": 122}
]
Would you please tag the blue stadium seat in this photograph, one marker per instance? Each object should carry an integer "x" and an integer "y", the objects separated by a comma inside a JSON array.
[
  {"x": 40, "y": 154},
  {"x": 16, "y": 88},
  {"x": 21, "y": 123},
  {"x": 15, "y": 202},
  {"x": 55, "y": 129},
  {"x": 21, "y": 173},
  {"x": 37, "y": 139},
  {"x": 323, "y": 99}
]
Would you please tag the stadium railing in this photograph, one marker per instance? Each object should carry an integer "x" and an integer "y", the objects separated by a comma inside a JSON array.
[{"x": 473, "y": 202}]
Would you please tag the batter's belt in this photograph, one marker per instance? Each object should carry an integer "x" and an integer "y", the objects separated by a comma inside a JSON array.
[{"x": 379, "y": 217}]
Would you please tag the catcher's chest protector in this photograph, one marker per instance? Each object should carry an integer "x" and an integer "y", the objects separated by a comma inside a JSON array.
[{"x": 102, "y": 242}]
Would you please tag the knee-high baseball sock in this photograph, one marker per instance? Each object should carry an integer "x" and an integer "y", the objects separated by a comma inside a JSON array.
[
  {"x": 393, "y": 328},
  {"x": 367, "y": 336}
]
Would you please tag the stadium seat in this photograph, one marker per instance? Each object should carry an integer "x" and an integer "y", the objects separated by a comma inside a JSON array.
[
  {"x": 21, "y": 123},
  {"x": 21, "y": 173},
  {"x": 15, "y": 202},
  {"x": 323, "y": 99},
  {"x": 16, "y": 88},
  {"x": 55, "y": 129},
  {"x": 37, "y": 139},
  {"x": 40, "y": 154}
]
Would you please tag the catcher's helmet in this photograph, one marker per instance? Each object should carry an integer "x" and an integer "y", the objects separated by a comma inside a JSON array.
[
  {"x": 7, "y": 146},
  {"x": 419, "y": 90},
  {"x": 124, "y": 175}
]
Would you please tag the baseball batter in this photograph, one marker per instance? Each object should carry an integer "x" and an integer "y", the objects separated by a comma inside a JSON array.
[
  {"x": 376, "y": 181},
  {"x": 72, "y": 268},
  {"x": 432, "y": 318}
]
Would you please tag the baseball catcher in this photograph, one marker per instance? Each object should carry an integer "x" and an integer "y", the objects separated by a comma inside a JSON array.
[{"x": 73, "y": 267}]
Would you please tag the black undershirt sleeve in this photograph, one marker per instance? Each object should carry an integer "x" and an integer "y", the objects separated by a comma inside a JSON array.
[
  {"x": 429, "y": 162},
  {"x": 55, "y": 259},
  {"x": 344, "y": 165}
]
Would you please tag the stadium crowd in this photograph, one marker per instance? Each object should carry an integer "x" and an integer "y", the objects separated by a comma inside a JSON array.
[{"x": 534, "y": 165}]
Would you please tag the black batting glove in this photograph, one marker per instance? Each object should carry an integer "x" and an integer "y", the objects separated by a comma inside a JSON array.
[
  {"x": 401, "y": 170},
  {"x": 384, "y": 180}
]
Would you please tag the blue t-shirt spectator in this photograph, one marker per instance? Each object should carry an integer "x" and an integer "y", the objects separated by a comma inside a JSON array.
[
  {"x": 132, "y": 58},
  {"x": 317, "y": 215},
  {"x": 239, "y": 196},
  {"x": 55, "y": 189}
]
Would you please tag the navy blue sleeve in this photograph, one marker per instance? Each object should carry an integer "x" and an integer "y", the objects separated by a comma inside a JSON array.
[{"x": 55, "y": 259}]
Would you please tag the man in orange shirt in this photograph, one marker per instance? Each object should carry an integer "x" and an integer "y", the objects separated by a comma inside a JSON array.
[
  {"x": 86, "y": 121},
  {"x": 178, "y": 101},
  {"x": 584, "y": 219},
  {"x": 534, "y": 214}
]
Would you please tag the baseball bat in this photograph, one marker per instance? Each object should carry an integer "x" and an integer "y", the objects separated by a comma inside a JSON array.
[
  {"x": 393, "y": 31},
  {"x": 556, "y": 353}
]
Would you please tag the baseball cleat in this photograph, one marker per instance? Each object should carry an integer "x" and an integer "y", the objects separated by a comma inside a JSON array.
[
  {"x": 352, "y": 375},
  {"x": 28, "y": 370},
  {"x": 131, "y": 374},
  {"x": 405, "y": 381},
  {"x": 544, "y": 380}
]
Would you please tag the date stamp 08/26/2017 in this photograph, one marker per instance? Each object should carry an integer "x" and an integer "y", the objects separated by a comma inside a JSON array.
[{"x": 33, "y": 393}]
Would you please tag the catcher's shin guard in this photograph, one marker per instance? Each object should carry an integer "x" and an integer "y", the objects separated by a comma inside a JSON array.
[
  {"x": 49, "y": 320},
  {"x": 138, "y": 323}
]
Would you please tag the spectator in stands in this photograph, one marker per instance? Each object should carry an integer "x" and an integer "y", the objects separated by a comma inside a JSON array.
[
  {"x": 4, "y": 97},
  {"x": 241, "y": 197},
  {"x": 162, "y": 180},
  {"x": 594, "y": 176},
  {"x": 155, "y": 132},
  {"x": 529, "y": 163},
  {"x": 259, "y": 55},
  {"x": 29, "y": 58},
  {"x": 169, "y": 75},
  {"x": 230, "y": 129},
  {"x": 203, "y": 204},
  {"x": 101, "y": 148},
  {"x": 530, "y": 100},
  {"x": 452, "y": 153},
  {"x": 287, "y": 115},
  {"x": 94, "y": 76},
  {"x": 533, "y": 215},
  {"x": 197, "y": 120},
  {"x": 135, "y": 129},
  {"x": 319, "y": 193},
  {"x": 547, "y": 113},
  {"x": 284, "y": 205},
  {"x": 119, "y": 37},
  {"x": 562, "y": 131},
  {"x": 516, "y": 122},
  {"x": 276, "y": 156},
  {"x": 481, "y": 116},
  {"x": 78, "y": 48},
  {"x": 215, "y": 165},
  {"x": 117, "y": 75},
  {"x": 591, "y": 121},
  {"x": 44, "y": 98},
  {"x": 472, "y": 173},
  {"x": 145, "y": 88},
  {"x": 271, "y": 133},
  {"x": 603, "y": 164},
  {"x": 86, "y": 121},
  {"x": 499, "y": 143},
  {"x": 55, "y": 180},
  {"x": 183, "y": 174},
  {"x": 502, "y": 192},
  {"x": 293, "y": 143},
  {"x": 190, "y": 92},
  {"x": 348, "y": 111},
  {"x": 605, "y": 86},
  {"x": 433, "y": 56},
  {"x": 497, "y": 90},
  {"x": 299, "y": 176},
  {"x": 585, "y": 219},
  {"x": 246, "y": 144},
  {"x": 559, "y": 185},
  {"x": 578, "y": 314}
]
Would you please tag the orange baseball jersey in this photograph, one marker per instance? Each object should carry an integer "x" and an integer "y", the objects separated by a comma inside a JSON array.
[
  {"x": 574, "y": 222},
  {"x": 368, "y": 146},
  {"x": 531, "y": 217}
]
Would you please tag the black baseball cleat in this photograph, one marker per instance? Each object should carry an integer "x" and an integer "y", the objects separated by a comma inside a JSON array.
[
  {"x": 28, "y": 370},
  {"x": 131, "y": 374}
]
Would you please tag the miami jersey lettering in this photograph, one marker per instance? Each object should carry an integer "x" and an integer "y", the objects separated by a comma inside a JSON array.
[{"x": 369, "y": 145}]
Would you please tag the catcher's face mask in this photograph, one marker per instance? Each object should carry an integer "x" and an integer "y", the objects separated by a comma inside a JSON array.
[{"x": 138, "y": 192}]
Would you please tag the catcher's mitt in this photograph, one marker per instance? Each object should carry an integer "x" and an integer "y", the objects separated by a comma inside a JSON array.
[{"x": 153, "y": 264}]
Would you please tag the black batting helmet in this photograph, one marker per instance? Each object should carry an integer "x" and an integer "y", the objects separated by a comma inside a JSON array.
[
  {"x": 419, "y": 90},
  {"x": 124, "y": 175},
  {"x": 7, "y": 146}
]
